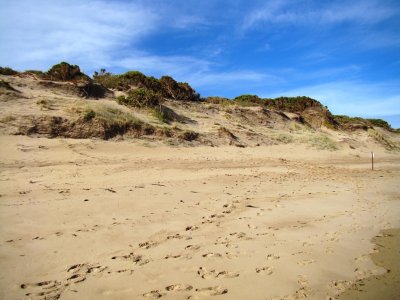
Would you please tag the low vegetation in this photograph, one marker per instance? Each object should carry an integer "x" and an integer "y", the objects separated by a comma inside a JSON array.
[
  {"x": 166, "y": 86},
  {"x": 219, "y": 100},
  {"x": 7, "y": 71},
  {"x": 141, "y": 98},
  {"x": 383, "y": 139},
  {"x": 139, "y": 94},
  {"x": 380, "y": 123},
  {"x": 322, "y": 142}
]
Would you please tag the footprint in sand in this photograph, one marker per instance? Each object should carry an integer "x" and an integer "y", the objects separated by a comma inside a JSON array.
[
  {"x": 169, "y": 256},
  {"x": 134, "y": 258},
  {"x": 148, "y": 244},
  {"x": 231, "y": 255},
  {"x": 306, "y": 262},
  {"x": 273, "y": 257},
  {"x": 212, "y": 254},
  {"x": 44, "y": 284},
  {"x": 192, "y": 247},
  {"x": 154, "y": 294},
  {"x": 179, "y": 287},
  {"x": 213, "y": 291},
  {"x": 191, "y": 228},
  {"x": 265, "y": 270},
  {"x": 205, "y": 274}
]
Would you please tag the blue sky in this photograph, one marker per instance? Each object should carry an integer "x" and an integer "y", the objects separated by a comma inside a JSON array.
[{"x": 345, "y": 54}]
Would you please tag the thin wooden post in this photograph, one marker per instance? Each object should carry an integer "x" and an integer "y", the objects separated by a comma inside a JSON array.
[{"x": 372, "y": 160}]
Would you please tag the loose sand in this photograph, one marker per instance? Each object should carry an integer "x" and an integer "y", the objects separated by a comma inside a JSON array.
[{"x": 89, "y": 219}]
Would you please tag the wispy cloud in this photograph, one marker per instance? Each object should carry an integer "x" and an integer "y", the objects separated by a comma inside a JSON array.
[
  {"x": 174, "y": 65},
  {"x": 84, "y": 32},
  {"x": 289, "y": 12}
]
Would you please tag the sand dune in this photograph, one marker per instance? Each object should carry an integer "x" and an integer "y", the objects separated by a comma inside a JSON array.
[{"x": 90, "y": 219}]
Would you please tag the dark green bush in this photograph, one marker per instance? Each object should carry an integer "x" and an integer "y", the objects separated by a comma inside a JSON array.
[
  {"x": 380, "y": 123},
  {"x": 248, "y": 100},
  {"x": 292, "y": 104},
  {"x": 66, "y": 72},
  {"x": 189, "y": 135},
  {"x": 89, "y": 115},
  {"x": 7, "y": 71},
  {"x": 166, "y": 86},
  {"x": 142, "y": 98}
]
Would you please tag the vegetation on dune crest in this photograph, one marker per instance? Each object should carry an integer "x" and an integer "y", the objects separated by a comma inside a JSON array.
[
  {"x": 166, "y": 86},
  {"x": 380, "y": 123},
  {"x": 155, "y": 96},
  {"x": 66, "y": 72},
  {"x": 141, "y": 98},
  {"x": 7, "y": 71}
]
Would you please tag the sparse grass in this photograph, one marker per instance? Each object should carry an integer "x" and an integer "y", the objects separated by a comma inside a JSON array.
[
  {"x": 162, "y": 114},
  {"x": 383, "y": 139},
  {"x": 109, "y": 114},
  {"x": 283, "y": 138},
  {"x": 8, "y": 118},
  {"x": 322, "y": 142},
  {"x": 45, "y": 104},
  {"x": 220, "y": 101}
]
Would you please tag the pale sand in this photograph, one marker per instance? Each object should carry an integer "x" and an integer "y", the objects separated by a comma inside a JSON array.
[{"x": 89, "y": 219}]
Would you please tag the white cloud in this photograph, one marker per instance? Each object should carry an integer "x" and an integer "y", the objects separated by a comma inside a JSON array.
[
  {"x": 289, "y": 12},
  {"x": 37, "y": 34},
  {"x": 176, "y": 66}
]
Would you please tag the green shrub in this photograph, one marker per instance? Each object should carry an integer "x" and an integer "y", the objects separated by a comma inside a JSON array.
[
  {"x": 7, "y": 71},
  {"x": 142, "y": 98},
  {"x": 380, "y": 123},
  {"x": 66, "y": 72},
  {"x": 219, "y": 100},
  {"x": 189, "y": 135},
  {"x": 37, "y": 73},
  {"x": 249, "y": 100},
  {"x": 162, "y": 114},
  {"x": 293, "y": 104},
  {"x": 89, "y": 115},
  {"x": 165, "y": 86}
]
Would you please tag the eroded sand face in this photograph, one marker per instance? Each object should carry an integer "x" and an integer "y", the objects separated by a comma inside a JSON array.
[{"x": 113, "y": 220}]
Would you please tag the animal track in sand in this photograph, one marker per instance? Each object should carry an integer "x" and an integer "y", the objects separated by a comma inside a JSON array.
[
  {"x": 265, "y": 270},
  {"x": 205, "y": 274},
  {"x": 213, "y": 290}
]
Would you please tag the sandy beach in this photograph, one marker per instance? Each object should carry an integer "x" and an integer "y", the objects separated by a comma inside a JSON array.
[{"x": 92, "y": 219}]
